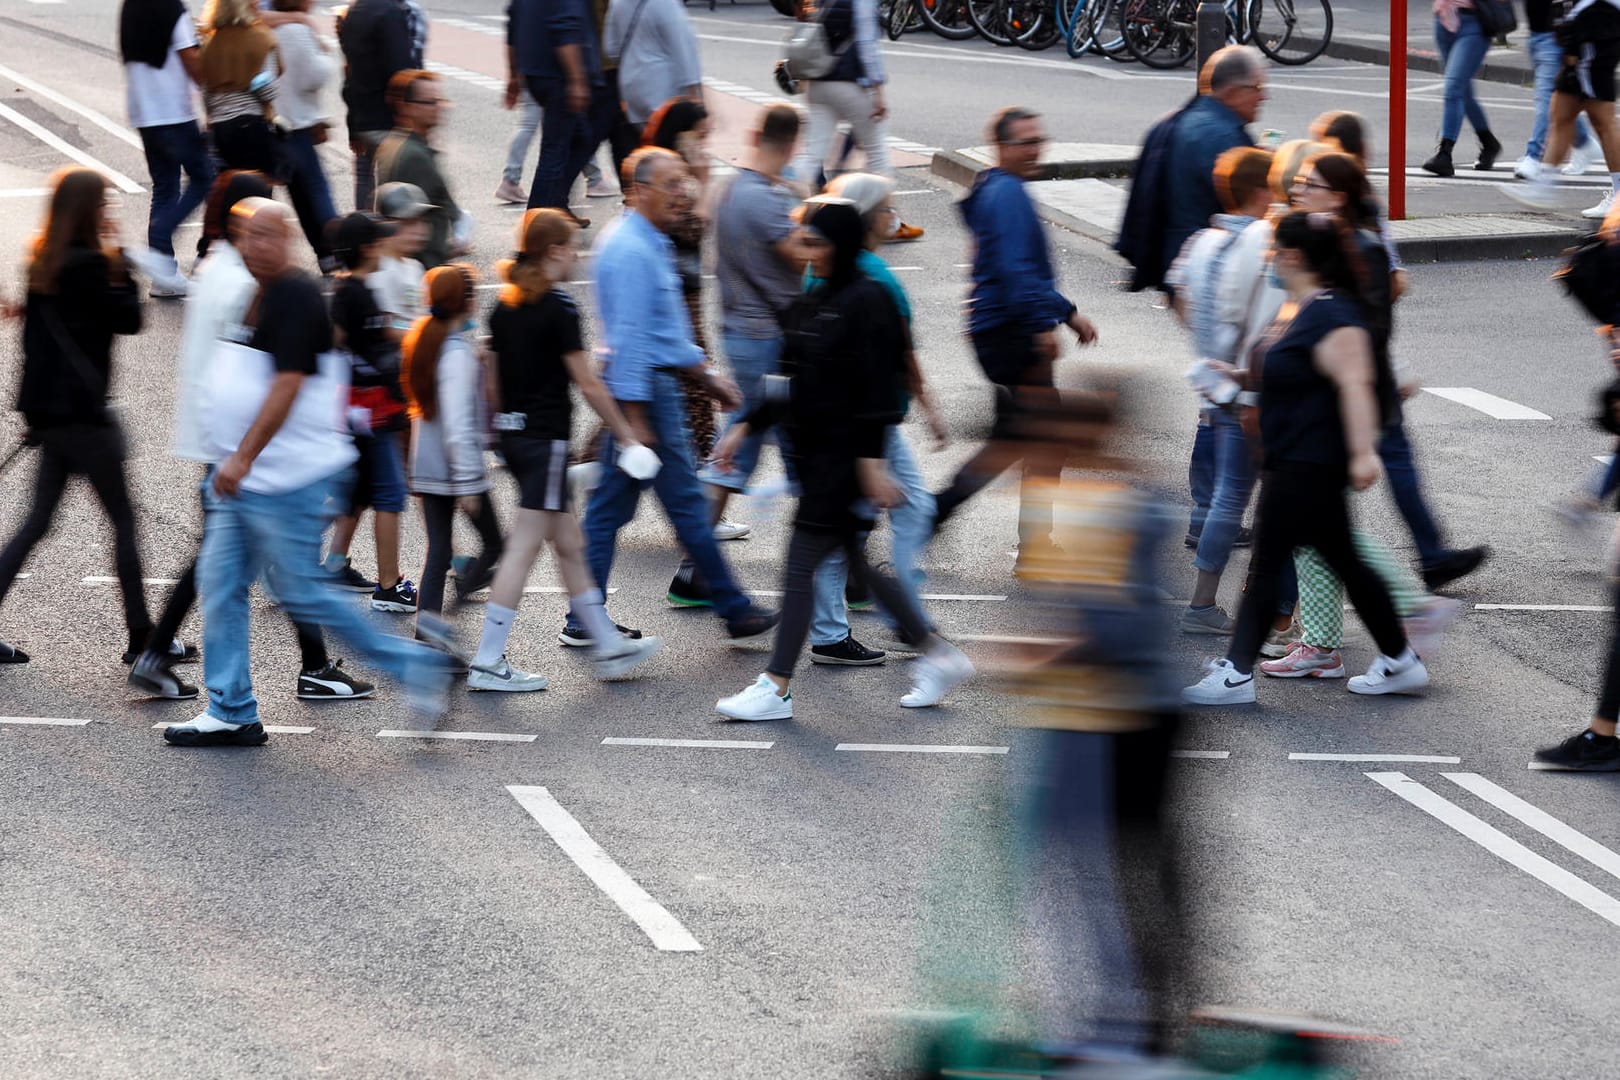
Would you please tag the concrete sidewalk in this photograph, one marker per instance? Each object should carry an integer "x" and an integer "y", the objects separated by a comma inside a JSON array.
[{"x": 1361, "y": 32}]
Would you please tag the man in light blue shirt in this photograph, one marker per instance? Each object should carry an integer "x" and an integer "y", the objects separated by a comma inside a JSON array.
[{"x": 648, "y": 337}]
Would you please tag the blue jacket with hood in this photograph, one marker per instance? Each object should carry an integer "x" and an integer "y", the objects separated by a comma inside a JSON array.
[{"x": 1013, "y": 282}]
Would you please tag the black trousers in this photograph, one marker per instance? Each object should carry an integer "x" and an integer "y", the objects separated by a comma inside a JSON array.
[
  {"x": 439, "y": 515},
  {"x": 1609, "y": 700},
  {"x": 1298, "y": 509}
]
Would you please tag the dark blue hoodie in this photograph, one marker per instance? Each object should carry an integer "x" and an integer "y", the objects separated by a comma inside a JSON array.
[{"x": 1013, "y": 283}]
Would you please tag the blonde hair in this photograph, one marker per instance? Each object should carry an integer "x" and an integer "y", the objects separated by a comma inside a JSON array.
[{"x": 220, "y": 13}]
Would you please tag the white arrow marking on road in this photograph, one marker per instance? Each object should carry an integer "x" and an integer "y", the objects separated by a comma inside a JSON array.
[
  {"x": 664, "y": 929},
  {"x": 43, "y": 721},
  {"x": 712, "y": 744},
  {"x": 918, "y": 748},
  {"x": 471, "y": 736},
  {"x": 1432, "y": 759},
  {"x": 1501, "y": 845},
  {"x": 1538, "y": 819},
  {"x": 50, "y": 139},
  {"x": 1495, "y": 407}
]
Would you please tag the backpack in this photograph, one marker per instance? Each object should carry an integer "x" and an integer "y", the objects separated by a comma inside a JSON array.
[{"x": 1591, "y": 277}]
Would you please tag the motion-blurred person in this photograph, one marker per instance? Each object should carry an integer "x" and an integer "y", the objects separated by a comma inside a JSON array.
[
  {"x": 655, "y": 54},
  {"x": 1014, "y": 312},
  {"x": 158, "y": 43},
  {"x": 553, "y": 49},
  {"x": 222, "y": 289},
  {"x": 239, "y": 88},
  {"x": 526, "y": 127},
  {"x": 1318, "y": 422},
  {"x": 540, "y": 355},
  {"x": 80, "y": 296},
  {"x": 379, "y": 38},
  {"x": 845, "y": 357},
  {"x": 648, "y": 337},
  {"x": 276, "y": 398},
  {"x": 305, "y": 65},
  {"x": 1463, "y": 43},
  {"x": 1547, "y": 59},
  {"x": 405, "y": 156},
  {"x": 397, "y": 284}
]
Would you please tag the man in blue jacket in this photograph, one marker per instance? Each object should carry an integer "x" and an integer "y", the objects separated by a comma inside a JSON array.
[
  {"x": 552, "y": 48},
  {"x": 1233, "y": 85},
  {"x": 1014, "y": 312}
]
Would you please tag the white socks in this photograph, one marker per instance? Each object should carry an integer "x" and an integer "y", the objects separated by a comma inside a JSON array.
[
  {"x": 594, "y": 617},
  {"x": 497, "y": 628}
]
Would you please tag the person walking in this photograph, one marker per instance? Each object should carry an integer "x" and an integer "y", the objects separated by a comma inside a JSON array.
[
  {"x": 553, "y": 49},
  {"x": 648, "y": 337},
  {"x": 239, "y": 89},
  {"x": 406, "y": 156},
  {"x": 1318, "y": 421},
  {"x": 1463, "y": 45},
  {"x": 539, "y": 350},
  {"x": 1014, "y": 312},
  {"x": 1547, "y": 59},
  {"x": 275, "y": 393},
  {"x": 844, "y": 362},
  {"x": 305, "y": 65},
  {"x": 158, "y": 43},
  {"x": 379, "y": 39},
  {"x": 656, "y": 53},
  {"x": 80, "y": 297}
]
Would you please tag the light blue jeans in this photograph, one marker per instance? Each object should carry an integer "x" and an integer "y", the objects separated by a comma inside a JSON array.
[
  {"x": 751, "y": 359},
  {"x": 912, "y": 523},
  {"x": 522, "y": 136},
  {"x": 1548, "y": 58},
  {"x": 279, "y": 536},
  {"x": 1463, "y": 53}
]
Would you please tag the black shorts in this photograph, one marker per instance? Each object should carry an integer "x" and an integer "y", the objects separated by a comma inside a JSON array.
[
  {"x": 1006, "y": 355},
  {"x": 1591, "y": 76},
  {"x": 540, "y": 466}
]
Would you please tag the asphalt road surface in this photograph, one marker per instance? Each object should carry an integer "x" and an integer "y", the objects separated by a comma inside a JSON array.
[{"x": 340, "y": 903}]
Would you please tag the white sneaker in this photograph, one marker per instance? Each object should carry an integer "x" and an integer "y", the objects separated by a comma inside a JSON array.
[
  {"x": 1223, "y": 685},
  {"x": 731, "y": 530},
  {"x": 937, "y": 673},
  {"x": 1426, "y": 627},
  {"x": 1528, "y": 168},
  {"x": 1278, "y": 643},
  {"x": 759, "y": 702},
  {"x": 174, "y": 288},
  {"x": 1601, "y": 210},
  {"x": 1387, "y": 676},
  {"x": 618, "y": 658},
  {"x": 1582, "y": 158},
  {"x": 510, "y": 193},
  {"x": 600, "y": 189},
  {"x": 503, "y": 676},
  {"x": 1539, "y": 194}
]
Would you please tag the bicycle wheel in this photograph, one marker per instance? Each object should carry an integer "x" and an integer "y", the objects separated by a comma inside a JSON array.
[
  {"x": 1105, "y": 29},
  {"x": 1033, "y": 24},
  {"x": 986, "y": 18},
  {"x": 1160, "y": 33},
  {"x": 947, "y": 18},
  {"x": 901, "y": 17},
  {"x": 1291, "y": 31}
]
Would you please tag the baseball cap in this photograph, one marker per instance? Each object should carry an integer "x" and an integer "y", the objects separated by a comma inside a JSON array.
[
  {"x": 356, "y": 231},
  {"x": 402, "y": 202}
]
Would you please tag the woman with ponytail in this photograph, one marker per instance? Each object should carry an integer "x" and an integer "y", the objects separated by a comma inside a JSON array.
[
  {"x": 444, "y": 390},
  {"x": 1318, "y": 426},
  {"x": 539, "y": 356}
]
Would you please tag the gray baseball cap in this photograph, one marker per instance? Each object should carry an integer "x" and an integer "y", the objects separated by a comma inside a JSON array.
[{"x": 402, "y": 202}]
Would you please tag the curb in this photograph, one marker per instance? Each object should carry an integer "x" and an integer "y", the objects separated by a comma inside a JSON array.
[
  {"x": 958, "y": 168},
  {"x": 1368, "y": 51}
]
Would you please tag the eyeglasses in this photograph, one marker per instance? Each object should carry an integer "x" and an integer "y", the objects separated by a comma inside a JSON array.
[
  {"x": 1039, "y": 140},
  {"x": 675, "y": 188},
  {"x": 1260, "y": 87},
  {"x": 1307, "y": 182}
]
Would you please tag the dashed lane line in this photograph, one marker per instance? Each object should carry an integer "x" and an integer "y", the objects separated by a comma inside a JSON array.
[
  {"x": 918, "y": 748},
  {"x": 111, "y": 127},
  {"x": 467, "y": 736},
  {"x": 1430, "y": 759},
  {"x": 68, "y": 150},
  {"x": 1202, "y": 755},
  {"x": 1538, "y": 819},
  {"x": 1542, "y": 607},
  {"x": 99, "y": 580},
  {"x": 708, "y": 744},
  {"x": 43, "y": 721},
  {"x": 1497, "y": 408}
]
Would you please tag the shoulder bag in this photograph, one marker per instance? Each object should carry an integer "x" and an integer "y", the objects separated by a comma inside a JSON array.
[
  {"x": 808, "y": 52},
  {"x": 1496, "y": 17}
]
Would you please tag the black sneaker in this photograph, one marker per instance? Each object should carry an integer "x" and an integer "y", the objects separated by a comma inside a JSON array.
[
  {"x": 208, "y": 731},
  {"x": 1453, "y": 566},
  {"x": 576, "y": 637},
  {"x": 461, "y": 566},
  {"x": 686, "y": 589},
  {"x": 399, "y": 597},
  {"x": 1245, "y": 538},
  {"x": 153, "y": 675},
  {"x": 752, "y": 625},
  {"x": 179, "y": 652},
  {"x": 856, "y": 596},
  {"x": 351, "y": 579},
  {"x": 848, "y": 653},
  {"x": 332, "y": 683},
  {"x": 1586, "y": 752},
  {"x": 10, "y": 654}
]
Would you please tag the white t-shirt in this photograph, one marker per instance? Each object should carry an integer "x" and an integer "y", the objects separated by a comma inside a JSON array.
[
  {"x": 159, "y": 96},
  {"x": 397, "y": 286}
]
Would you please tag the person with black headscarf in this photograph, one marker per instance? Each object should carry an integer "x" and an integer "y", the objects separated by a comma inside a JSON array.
[
  {"x": 158, "y": 42},
  {"x": 842, "y": 363}
]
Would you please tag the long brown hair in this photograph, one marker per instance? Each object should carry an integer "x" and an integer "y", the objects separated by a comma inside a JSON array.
[
  {"x": 449, "y": 292},
  {"x": 1342, "y": 172},
  {"x": 542, "y": 229},
  {"x": 73, "y": 221}
]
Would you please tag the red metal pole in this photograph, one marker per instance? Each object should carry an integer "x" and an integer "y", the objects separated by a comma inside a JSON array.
[{"x": 1397, "y": 110}]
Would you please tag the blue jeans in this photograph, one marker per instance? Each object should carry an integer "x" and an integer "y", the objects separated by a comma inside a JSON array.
[
  {"x": 912, "y": 523},
  {"x": 566, "y": 144},
  {"x": 1201, "y": 474},
  {"x": 171, "y": 148},
  {"x": 307, "y": 187},
  {"x": 751, "y": 360},
  {"x": 279, "y": 536},
  {"x": 529, "y": 114},
  {"x": 1233, "y": 484},
  {"x": 613, "y": 502},
  {"x": 1401, "y": 469},
  {"x": 1463, "y": 53},
  {"x": 1548, "y": 58}
]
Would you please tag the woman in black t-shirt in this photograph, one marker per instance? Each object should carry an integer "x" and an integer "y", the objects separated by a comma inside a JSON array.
[
  {"x": 1318, "y": 425},
  {"x": 539, "y": 354}
]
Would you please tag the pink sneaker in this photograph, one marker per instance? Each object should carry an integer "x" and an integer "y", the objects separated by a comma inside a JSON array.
[{"x": 1306, "y": 662}]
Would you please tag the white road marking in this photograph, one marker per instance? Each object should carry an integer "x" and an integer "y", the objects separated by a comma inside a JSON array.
[
  {"x": 1501, "y": 845},
  {"x": 713, "y": 744},
  {"x": 1495, "y": 407},
  {"x": 916, "y": 191},
  {"x": 97, "y": 580},
  {"x": 987, "y": 598},
  {"x": 50, "y": 139},
  {"x": 43, "y": 721},
  {"x": 24, "y": 193},
  {"x": 470, "y": 736},
  {"x": 558, "y": 589},
  {"x": 271, "y": 728},
  {"x": 1202, "y": 755},
  {"x": 111, "y": 127},
  {"x": 1539, "y": 820},
  {"x": 1431, "y": 759},
  {"x": 907, "y": 268},
  {"x": 664, "y": 929},
  {"x": 1009, "y": 639},
  {"x": 918, "y": 748},
  {"x": 1541, "y": 607}
]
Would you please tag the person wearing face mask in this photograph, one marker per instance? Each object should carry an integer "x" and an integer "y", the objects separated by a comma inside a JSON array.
[{"x": 845, "y": 355}]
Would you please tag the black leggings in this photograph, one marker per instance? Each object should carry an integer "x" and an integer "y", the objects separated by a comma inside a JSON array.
[
  {"x": 1300, "y": 509},
  {"x": 311, "y": 646},
  {"x": 1609, "y": 700},
  {"x": 807, "y": 550},
  {"x": 96, "y": 454},
  {"x": 439, "y": 515}
]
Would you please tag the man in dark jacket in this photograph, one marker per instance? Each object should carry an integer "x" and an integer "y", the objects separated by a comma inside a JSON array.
[
  {"x": 552, "y": 48},
  {"x": 1014, "y": 312},
  {"x": 406, "y": 156},
  {"x": 379, "y": 38}
]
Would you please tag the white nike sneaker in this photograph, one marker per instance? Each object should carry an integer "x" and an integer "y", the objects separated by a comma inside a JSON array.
[
  {"x": 1601, "y": 210},
  {"x": 1528, "y": 168},
  {"x": 1582, "y": 158},
  {"x": 503, "y": 676},
  {"x": 618, "y": 658},
  {"x": 725, "y": 529},
  {"x": 761, "y": 701},
  {"x": 1223, "y": 685},
  {"x": 1387, "y": 676},
  {"x": 936, "y": 673}
]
